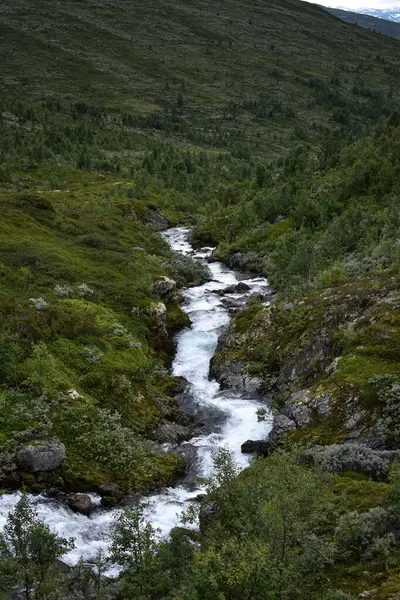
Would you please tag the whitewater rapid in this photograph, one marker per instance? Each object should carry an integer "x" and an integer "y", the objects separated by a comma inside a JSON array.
[{"x": 235, "y": 414}]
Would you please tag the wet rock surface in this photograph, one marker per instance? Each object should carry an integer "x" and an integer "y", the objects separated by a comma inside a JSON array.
[
  {"x": 80, "y": 503},
  {"x": 232, "y": 374},
  {"x": 261, "y": 447}
]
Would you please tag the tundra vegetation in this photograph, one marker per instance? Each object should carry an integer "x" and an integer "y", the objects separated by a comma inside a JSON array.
[{"x": 274, "y": 130}]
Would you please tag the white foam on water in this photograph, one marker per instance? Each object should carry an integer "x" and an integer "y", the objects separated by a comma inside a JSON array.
[{"x": 195, "y": 347}]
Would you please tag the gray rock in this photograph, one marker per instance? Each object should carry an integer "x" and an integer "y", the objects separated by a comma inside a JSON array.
[
  {"x": 242, "y": 287},
  {"x": 231, "y": 303},
  {"x": 242, "y": 260},
  {"x": 168, "y": 432},
  {"x": 81, "y": 503},
  {"x": 298, "y": 409},
  {"x": 255, "y": 447},
  {"x": 111, "y": 494},
  {"x": 281, "y": 425},
  {"x": 235, "y": 288},
  {"x": 41, "y": 455},
  {"x": 289, "y": 306},
  {"x": 232, "y": 374}
]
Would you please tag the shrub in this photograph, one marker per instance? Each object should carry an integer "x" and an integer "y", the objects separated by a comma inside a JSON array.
[
  {"x": 188, "y": 272},
  {"x": 338, "y": 458},
  {"x": 337, "y": 595},
  {"x": 388, "y": 390},
  {"x": 6, "y": 358},
  {"x": 92, "y": 240},
  {"x": 359, "y": 535}
]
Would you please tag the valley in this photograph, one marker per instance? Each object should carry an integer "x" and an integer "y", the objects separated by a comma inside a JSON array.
[{"x": 152, "y": 158}]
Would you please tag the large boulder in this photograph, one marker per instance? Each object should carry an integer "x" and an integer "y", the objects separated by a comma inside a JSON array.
[
  {"x": 261, "y": 447},
  {"x": 157, "y": 313},
  {"x": 81, "y": 503},
  {"x": 242, "y": 287},
  {"x": 234, "y": 288},
  {"x": 243, "y": 261},
  {"x": 41, "y": 455}
]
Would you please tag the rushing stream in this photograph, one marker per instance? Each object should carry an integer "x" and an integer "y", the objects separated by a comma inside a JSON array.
[{"x": 235, "y": 414}]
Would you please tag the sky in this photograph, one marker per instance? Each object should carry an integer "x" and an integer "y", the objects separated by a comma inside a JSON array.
[{"x": 356, "y": 4}]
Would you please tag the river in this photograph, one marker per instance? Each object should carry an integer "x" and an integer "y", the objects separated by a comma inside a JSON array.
[{"x": 235, "y": 414}]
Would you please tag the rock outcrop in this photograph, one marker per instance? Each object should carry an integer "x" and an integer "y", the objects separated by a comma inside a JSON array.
[
  {"x": 41, "y": 455},
  {"x": 172, "y": 433},
  {"x": 111, "y": 493},
  {"x": 230, "y": 372}
]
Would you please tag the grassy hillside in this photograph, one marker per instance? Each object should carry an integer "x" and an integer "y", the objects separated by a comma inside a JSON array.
[
  {"x": 217, "y": 69},
  {"x": 374, "y": 24},
  {"x": 272, "y": 128}
]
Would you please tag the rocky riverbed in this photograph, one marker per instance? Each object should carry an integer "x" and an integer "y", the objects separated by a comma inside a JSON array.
[{"x": 228, "y": 416}]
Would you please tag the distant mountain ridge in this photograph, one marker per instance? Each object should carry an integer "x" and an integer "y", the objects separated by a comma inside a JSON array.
[
  {"x": 389, "y": 15},
  {"x": 376, "y": 24}
]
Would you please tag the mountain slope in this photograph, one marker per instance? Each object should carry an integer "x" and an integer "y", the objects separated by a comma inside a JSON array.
[
  {"x": 372, "y": 23},
  {"x": 142, "y": 57},
  {"x": 271, "y": 127},
  {"x": 113, "y": 112}
]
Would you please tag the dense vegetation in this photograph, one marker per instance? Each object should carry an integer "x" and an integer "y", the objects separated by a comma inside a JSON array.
[
  {"x": 274, "y": 130},
  {"x": 325, "y": 217},
  {"x": 278, "y": 531}
]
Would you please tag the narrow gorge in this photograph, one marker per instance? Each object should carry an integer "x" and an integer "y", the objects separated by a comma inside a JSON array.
[{"x": 229, "y": 418}]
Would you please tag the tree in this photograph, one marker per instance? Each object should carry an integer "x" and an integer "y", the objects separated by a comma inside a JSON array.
[
  {"x": 32, "y": 548},
  {"x": 133, "y": 546},
  {"x": 266, "y": 540}
]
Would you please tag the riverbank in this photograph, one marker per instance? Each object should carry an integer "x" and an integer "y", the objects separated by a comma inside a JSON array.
[{"x": 229, "y": 417}]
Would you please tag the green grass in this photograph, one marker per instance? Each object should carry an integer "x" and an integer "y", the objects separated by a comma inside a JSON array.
[{"x": 94, "y": 338}]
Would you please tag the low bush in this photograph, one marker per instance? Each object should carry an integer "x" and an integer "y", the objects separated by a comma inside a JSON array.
[
  {"x": 188, "y": 272},
  {"x": 339, "y": 458}
]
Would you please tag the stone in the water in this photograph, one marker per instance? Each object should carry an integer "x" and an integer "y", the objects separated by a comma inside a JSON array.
[
  {"x": 81, "y": 503},
  {"x": 255, "y": 447},
  {"x": 111, "y": 493},
  {"x": 242, "y": 287},
  {"x": 41, "y": 455}
]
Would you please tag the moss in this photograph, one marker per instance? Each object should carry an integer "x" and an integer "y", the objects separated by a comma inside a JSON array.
[
  {"x": 246, "y": 318},
  {"x": 177, "y": 319},
  {"x": 28, "y": 479},
  {"x": 355, "y": 492}
]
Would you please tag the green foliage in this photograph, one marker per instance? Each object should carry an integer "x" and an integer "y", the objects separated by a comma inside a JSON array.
[
  {"x": 339, "y": 458},
  {"x": 264, "y": 539},
  {"x": 188, "y": 272},
  {"x": 32, "y": 550},
  {"x": 388, "y": 391},
  {"x": 318, "y": 224},
  {"x": 7, "y": 364}
]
